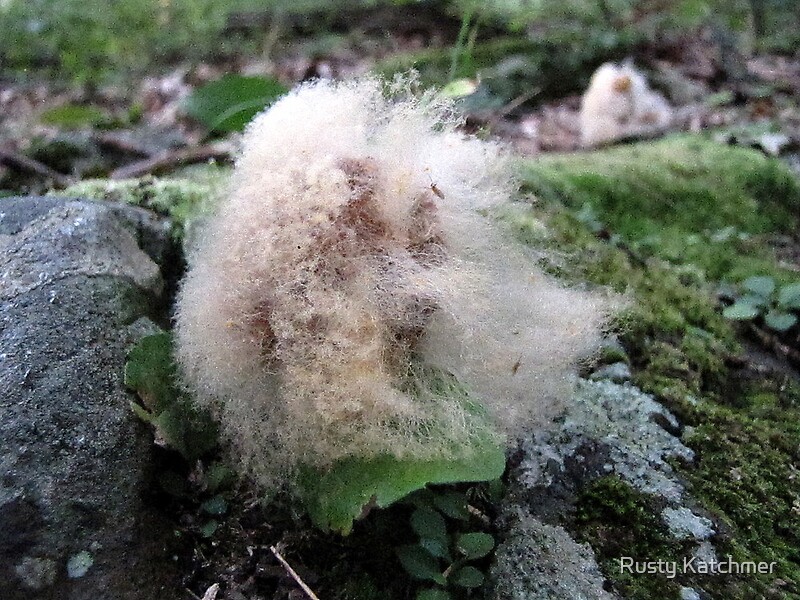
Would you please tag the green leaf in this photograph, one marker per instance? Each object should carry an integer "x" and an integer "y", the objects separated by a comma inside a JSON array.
[
  {"x": 437, "y": 548},
  {"x": 144, "y": 414},
  {"x": 186, "y": 430},
  {"x": 459, "y": 88},
  {"x": 760, "y": 285},
  {"x": 720, "y": 98},
  {"x": 433, "y": 594},
  {"x": 74, "y": 116},
  {"x": 468, "y": 577},
  {"x": 150, "y": 372},
  {"x": 475, "y": 545},
  {"x": 215, "y": 506},
  {"x": 789, "y": 296},
  {"x": 420, "y": 564},
  {"x": 420, "y": 498},
  {"x": 348, "y": 489},
  {"x": 453, "y": 504},
  {"x": 429, "y": 524},
  {"x": 337, "y": 497},
  {"x": 218, "y": 475},
  {"x": 755, "y": 300},
  {"x": 780, "y": 321},
  {"x": 209, "y": 529},
  {"x": 740, "y": 311},
  {"x": 495, "y": 488},
  {"x": 228, "y": 104}
]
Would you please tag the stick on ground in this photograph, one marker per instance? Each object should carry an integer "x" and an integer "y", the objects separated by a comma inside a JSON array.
[
  {"x": 23, "y": 163},
  {"x": 294, "y": 575},
  {"x": 171, "y": 160}
]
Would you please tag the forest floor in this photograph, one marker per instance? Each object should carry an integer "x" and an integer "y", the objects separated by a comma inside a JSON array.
[{"x": 743, "y": 375}]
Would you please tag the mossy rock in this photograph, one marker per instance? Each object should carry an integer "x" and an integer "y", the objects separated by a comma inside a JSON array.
[
  {"x": 184, "y": 198},
  {"x": 666, "y": 222}
]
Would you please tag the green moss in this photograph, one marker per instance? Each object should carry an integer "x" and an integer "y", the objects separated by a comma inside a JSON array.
[
  {"x": 183, "y": 198},
  {"x": 746, "y": 474},
  {"x": 664, "y": 222},
  {"x": 672, "y": 326},
  {"x": 619, "y": 521},
  {"x": 685, "y": 200}
]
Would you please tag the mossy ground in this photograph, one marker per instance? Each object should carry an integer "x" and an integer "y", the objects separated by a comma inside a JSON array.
[
  {"x": 666, "y": 222},
  {"x": 619, "y": 521}
]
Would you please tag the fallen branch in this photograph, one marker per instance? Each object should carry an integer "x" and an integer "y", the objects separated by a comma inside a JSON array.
[
  {"x": 173, "y": 159},
  {"x": 120, "y": 144},
  {"x": 294, "y": 575},
  {"x": 29, "y": 165}
]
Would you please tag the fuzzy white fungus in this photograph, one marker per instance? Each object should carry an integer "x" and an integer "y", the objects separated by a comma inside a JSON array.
[{"x": 351, "y": 248}]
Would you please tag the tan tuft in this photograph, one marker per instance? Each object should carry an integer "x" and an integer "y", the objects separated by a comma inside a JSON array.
[
  {"x": 351, "y": 250},
  {"x": 619, "y": 104}
]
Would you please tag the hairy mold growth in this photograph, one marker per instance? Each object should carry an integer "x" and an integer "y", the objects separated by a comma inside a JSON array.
[
  {"x": 351, "y": 252},
  {"x": 619, "y": 104}
]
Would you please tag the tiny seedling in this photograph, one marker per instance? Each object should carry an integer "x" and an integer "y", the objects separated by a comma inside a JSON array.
[
  {"x": 760, "y": 297},
  {"x": 448, "y": 549}
]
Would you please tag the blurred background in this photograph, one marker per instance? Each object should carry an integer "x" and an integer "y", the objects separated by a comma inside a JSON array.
[{"x": 517, "y": 66}]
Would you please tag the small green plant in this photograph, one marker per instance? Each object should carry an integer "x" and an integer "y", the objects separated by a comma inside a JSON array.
[
  {"x": 228, "y": 104},
  {"x": 334, "y": 498},
  {"x": 178, "y": 423},
  {"x": 338, "y": 496},
  {"x": 448, "y": 551},
  {"x": 762, "y": 298}
]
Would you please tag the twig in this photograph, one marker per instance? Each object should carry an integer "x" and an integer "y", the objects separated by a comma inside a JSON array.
[
  {"x": 116, "y": 142},
  {"x": 23, "y": 163},
  {"x": 518, "y": 101},
  {"x": 477, "y": 513},
  {"x": 294, "y": 575},
  {"x": 211, "y": 592},
  {"x": 172, "y": 160}
]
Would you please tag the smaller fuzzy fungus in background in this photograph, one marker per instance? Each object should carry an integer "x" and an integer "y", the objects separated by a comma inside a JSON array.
[
  {"x": 619, "y": 104},
  {"x": 351, "y": 259}
]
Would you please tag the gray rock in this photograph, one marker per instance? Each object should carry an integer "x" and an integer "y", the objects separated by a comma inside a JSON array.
[
  {"x": 617, "y": 372},
  {"x": 606, "y": 428},
  {"x": 76, "y": 291},
  {"x": 685, "y": 525},
  {"x": 688, "y": 593},
  {"x": 541, "y": 562},
  {"x": 625, "y": 427}
]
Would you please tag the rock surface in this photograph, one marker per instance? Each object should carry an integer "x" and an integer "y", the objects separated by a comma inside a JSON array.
[
  {"x": 608, "y": 428},
  {"x": 78, "y": 285},
  {"x": 542, "y": 562}
]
